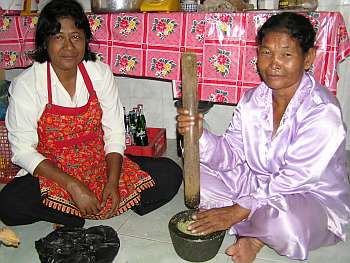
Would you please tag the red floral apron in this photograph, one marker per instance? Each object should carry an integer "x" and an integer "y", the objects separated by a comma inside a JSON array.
[{"x": 73, "y": 139}]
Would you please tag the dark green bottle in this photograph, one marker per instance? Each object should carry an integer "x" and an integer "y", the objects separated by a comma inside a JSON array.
[
  {"x": 141, "y": 134},
  {"x": 132, "y": 125}
]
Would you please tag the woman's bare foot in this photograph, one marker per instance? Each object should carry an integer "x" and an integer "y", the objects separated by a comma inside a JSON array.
[{"x": 245, "y": 249}]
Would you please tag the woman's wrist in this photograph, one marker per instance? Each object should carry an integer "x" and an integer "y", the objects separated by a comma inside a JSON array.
[
  {"x": 70, "y": 184},
  {"x": 114, "y": 164},
  {"x": 240, "y": 212},
  {"x": 113, "y": 179}
]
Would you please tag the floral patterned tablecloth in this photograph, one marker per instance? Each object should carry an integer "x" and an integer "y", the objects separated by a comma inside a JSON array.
[{"x": 150, "y": 45}]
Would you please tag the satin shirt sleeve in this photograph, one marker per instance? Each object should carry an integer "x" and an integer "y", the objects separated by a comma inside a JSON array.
[{"x": 223, "y": 153}]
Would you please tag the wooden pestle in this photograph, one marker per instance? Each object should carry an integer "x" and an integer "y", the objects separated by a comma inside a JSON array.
[{"x": 191, "y": 145}]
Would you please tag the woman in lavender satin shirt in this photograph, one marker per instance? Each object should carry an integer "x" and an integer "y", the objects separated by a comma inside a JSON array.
[{"x": 278, "y": 175}]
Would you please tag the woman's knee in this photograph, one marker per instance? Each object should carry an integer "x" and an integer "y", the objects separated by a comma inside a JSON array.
[
  {"x": 3, "y": 205},
  {"x": 171, "y": 177},
  {"x": 7, "y": 199},
  {"x": 277, "y": 230},
  {"x": 176, "y": 174},
  {"x": 293, "y": 232},
  {"x": 18, "y": 198},
  {"x": 8, "y": 208}
]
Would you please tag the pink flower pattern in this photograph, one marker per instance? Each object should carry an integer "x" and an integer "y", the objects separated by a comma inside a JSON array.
[
  {"x": 198, "y": 28},
  {"x": 100, "y": 57},
  {"x": 127, "y": 24},
  {"x": 30, "y": 22},
  {"x": 343, "y": 34},
  {"x": 314, "y": 18},
  {"x": 27, "y": 55},
  {"x": 223, "y": 22},
  {"x": 162, "y": 67},
  {"x": 185, "y": 37},
  {"x": 221, "y": 62},
  {"x": 164, "y": 27},
  {"x": 253, "y": 63},
  {"x": 5, "y": 23},
  {"x": 219, "y": 96},
  {"x": 199, "y": 69},
  {"x": 95, "y": 22},
  {"x": 126, "y": 63},
  {"x": 9, "y": 58},
  {"x": 259, "y": 20}
]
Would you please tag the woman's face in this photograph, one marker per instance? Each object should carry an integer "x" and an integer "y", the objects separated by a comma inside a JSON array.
[
  {"x": 66, "y": 49},
  {"x": 281, "y": 61}
]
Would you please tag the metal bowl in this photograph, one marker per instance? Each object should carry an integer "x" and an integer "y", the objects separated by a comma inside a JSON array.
[{"x": 110, "y": 6}]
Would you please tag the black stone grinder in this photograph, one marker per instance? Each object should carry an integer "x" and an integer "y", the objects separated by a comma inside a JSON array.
[{"x": 193, "y": 248}]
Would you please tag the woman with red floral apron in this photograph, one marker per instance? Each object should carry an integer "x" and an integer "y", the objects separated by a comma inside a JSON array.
[
  {"x": 73, "y": 139},
  {"x": 77, "y": 177}
]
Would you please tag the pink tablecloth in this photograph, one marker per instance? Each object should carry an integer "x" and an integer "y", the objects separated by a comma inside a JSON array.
[{"x": 150, "y": 45}]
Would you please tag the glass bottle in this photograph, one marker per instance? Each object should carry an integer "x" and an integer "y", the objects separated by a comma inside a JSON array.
[
  {"x": 135, "y": 110},
  {"x": 141, "y": 134},
  {"x": 132, "y": 124},
  {"x": 125, "y": 116},
  {"x": 142, "y": 115},
  {"x": 128, "y": 136}
]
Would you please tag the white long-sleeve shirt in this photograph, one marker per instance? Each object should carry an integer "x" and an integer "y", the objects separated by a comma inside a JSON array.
[{"x": 29, "y": 96}]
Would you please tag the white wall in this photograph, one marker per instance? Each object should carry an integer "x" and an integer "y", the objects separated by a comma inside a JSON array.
[{"x": 157, "y": 98}]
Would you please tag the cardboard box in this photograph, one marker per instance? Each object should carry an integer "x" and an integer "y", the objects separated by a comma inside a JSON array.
[{"x": 156, "y": 144}]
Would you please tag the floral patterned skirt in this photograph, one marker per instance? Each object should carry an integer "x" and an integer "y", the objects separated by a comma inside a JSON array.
[{"x": 132, "y": 182}]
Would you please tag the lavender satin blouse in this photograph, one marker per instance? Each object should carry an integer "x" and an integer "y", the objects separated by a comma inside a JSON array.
[{"x": 306, "y": 155}]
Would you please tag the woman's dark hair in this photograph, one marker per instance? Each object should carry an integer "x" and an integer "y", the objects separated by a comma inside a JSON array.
[
  {"x": 48, "y": 25},
  {"x": 296, "y": 25}
]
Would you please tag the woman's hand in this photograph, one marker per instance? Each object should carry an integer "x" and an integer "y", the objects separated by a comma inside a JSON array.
[
  {"x": 185, "y": 121},
  {"x": 216, "y": 219},
  {"x": 111, "y": 190},
  {"x": 84, "y": 199}
]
